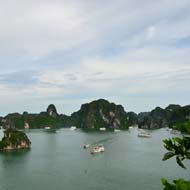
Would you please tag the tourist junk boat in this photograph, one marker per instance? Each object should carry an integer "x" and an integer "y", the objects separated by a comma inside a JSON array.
[
  {"x": 168, "y": 129},
  {"x": 86, "y": 146},
  {"x": 72, "y": 128},
  {"x": 176, "y": 132},
  {"x": 102, "y": 129},
  {"x": 144, "y": 134},
  {"x": 50, "y": 129},
  {"x": 117, "y": 130},
  {"x": 98, "y": 148}
]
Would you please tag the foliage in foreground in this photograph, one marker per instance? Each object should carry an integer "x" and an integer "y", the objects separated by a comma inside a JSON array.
[
  {"x": 180, "y": 148},
  {"x": 183, "y": 127},
  {"x": 179, "y": 184}
]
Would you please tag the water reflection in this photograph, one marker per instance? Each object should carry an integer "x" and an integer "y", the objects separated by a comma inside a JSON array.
[{"x": 8, "y": 158}]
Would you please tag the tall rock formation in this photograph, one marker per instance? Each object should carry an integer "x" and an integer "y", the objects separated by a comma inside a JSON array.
[
  {"x": 100, "y": 113},
  {"x": 51, "y": 111}
]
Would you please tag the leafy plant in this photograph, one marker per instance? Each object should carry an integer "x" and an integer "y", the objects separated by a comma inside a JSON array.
[
  {"x": 179, "y": 184},
  {"x": 180, "y": 148},
  {"x": 183, "y": 127}
]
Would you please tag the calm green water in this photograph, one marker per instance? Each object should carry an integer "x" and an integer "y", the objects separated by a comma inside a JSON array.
[{"x": 58, "y": 161}]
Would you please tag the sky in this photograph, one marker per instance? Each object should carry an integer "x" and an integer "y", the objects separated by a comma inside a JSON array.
[{"x": 68, "y": 52}]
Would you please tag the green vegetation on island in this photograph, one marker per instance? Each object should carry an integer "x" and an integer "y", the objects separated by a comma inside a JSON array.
[
  {"x": 27, "y": 120},
  {"x": 93, "y": 115},
  {"x": 173, "y": 116},
  {"x": 14, "y": 139},
  {"x": 102, "y": 114}
]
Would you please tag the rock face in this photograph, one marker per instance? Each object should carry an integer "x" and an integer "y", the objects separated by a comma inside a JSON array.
[
  {"x": 14, "y": 139},
  {"x": 51, "y": 111},
  {"x": 100, "y": 113},
  {"x": 26, "y": 125},
  {"x": 132, "y": 118},
  {"x": 168, "y": 117},
  {"x": 27, "y": 120}
]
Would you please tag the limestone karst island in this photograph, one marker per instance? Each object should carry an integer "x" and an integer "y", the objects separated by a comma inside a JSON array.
[
  {"x": 14, "y": 140},
  {"x": 96, "y": 115},
  {"x": 94, "y": 94},
  {"x": 102, "y": 114}
]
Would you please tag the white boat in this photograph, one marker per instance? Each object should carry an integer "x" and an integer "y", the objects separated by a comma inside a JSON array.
[
  {"x": 50, "y": 129},
  {"x": 103, "y": 129},
  {"x": 72, "y": 128},
  {"x": 98, "y": 148},
  {"x": 144, "y": 134},
  {"x": 86, "y": 146},
  {"x": 174, "y": 131},
  {"x": 117, "y": 130},
  {"x": 130, "y": 127},
  {"x": 168, "y": 129}
]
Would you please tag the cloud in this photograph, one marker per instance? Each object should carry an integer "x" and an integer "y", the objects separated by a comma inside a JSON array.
[
  {"x": 20, "y": 78},
  {"x": 68, "y": 52},
  {"x": 36, "y": 29}
]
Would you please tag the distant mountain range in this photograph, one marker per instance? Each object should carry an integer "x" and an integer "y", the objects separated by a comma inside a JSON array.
[{"x": 102, "y": 113}]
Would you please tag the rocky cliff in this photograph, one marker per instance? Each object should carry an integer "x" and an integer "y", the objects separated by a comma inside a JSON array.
[
  {"x": 51, "y": 111},
  {"x": 100, "y": 113},
  {"x": 27, "y": 120},
  {"x": 171, "y": 116},
  {"x": 14, "y": 139}
]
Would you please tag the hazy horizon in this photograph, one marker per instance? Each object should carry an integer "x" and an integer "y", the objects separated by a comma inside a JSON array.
[{"x": 70, "y": 52}]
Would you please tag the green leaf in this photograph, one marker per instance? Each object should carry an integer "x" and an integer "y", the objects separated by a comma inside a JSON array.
[
  {"x": 188, "y": 155},
  {"x": 181, "y": 184},
  {"x": 168, "y": 144},
  {"x": 180, "y": 162},
  {"x": 166, "y": 185},
  {"x": 168, "y": 155},
  {"x": 177, "y": 139}
]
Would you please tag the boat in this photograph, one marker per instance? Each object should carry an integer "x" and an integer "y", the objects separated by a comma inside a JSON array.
[
  {"x": 144, "y": 134},
  {"x": 168, "y": 129},
  {"x": 102, "y": 129},
  {"x": 72, "y": 128},
  {"x": 50, "y": 130},
  {"x": 86, "y": 146},
  {"x": 176, "y": 132},
  {"x": 130, "y": 127},
  {"x": 47, "y": 128},
  {"x": 98, "y": 148},
  {"x": 117, "y": 130}
]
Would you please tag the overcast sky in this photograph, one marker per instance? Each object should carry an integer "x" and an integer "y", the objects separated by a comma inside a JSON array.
[{"x": 68, "y": 52}]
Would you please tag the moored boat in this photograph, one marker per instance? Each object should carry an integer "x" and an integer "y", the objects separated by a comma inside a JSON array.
[
  {"x": 102, "y": 129},
  {"x": 144, "y": 134},
  {"x": 176, "y": 132},
  {"x": 72, "y": 128},
  {"x": 86, "y": 146},
  {"x": 117, "y": 130},
  {"x": 50, "y": 130},
  {"x": 47, "y": 128},
  {"x": 98, "y": 148},
  {"x": 168, "y": 129}
]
